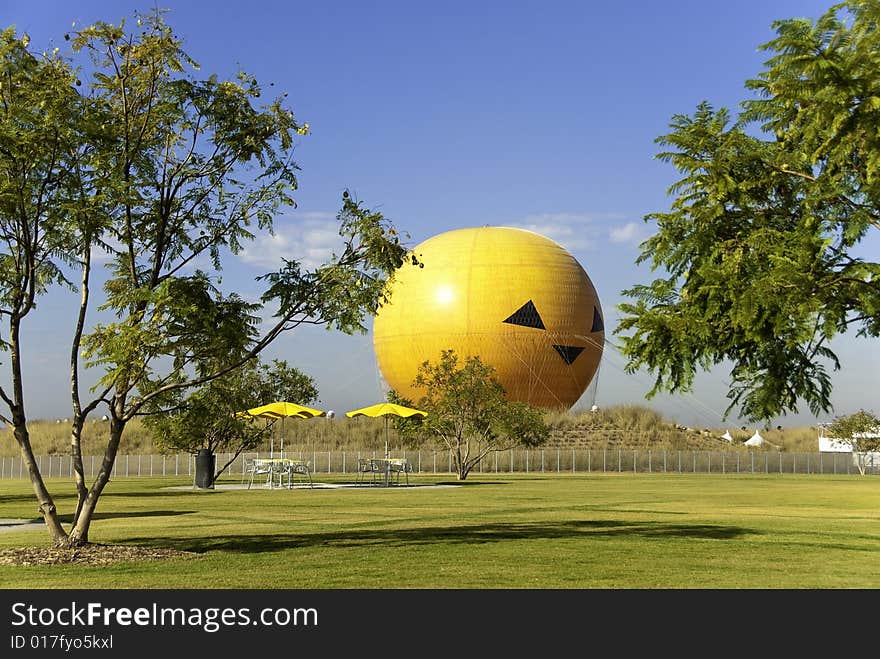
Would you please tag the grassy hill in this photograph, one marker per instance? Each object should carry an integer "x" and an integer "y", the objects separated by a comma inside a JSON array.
[{"x": 626, "y": 426}]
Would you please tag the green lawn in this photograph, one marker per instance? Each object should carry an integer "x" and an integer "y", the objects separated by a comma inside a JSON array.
[{"x": 620, "y": 531}]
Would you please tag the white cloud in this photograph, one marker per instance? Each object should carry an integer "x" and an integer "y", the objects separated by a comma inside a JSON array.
[
  {"x": 310, "y": 238},
  {"x": 568, "y": 229},
  {"x": 631, "y": 232},
  {"x": 574, "y": 231}
]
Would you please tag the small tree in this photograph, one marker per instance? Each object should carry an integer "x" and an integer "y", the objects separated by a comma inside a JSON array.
[
  {"x": 208, "y": 417},
  {"x": 468, "y": 412},
  {"x": 861, "y": 431}
]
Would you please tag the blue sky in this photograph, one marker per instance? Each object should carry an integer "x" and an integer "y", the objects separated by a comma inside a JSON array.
[{"x": 447, "y": 115}]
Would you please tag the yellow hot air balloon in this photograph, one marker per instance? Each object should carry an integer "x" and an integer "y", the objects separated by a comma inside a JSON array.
[{"x": 513, "y": 297}]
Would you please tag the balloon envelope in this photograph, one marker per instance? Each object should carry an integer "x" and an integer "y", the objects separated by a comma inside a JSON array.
[{"x": 513, "y": 297}]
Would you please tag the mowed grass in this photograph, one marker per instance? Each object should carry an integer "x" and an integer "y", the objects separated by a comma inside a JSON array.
[{"x": 568, "y": 531}]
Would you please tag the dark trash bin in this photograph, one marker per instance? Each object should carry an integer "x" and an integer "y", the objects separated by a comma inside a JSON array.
[{"x": 205, "y": 462}]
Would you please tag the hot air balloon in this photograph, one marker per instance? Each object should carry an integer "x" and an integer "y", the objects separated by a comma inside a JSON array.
[{"x": 513, "y": 297}]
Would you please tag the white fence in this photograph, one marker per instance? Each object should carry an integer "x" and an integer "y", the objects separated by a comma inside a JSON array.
[{"x": 511, "y": 461}]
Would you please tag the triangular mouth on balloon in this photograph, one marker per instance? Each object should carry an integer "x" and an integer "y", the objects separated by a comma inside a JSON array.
[{"x": 569, "y": 353}]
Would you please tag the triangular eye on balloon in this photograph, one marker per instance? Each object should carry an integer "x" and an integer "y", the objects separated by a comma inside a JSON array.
[
  {"x": 598, "y": 325},
  {"x": 527, "y": 316}
]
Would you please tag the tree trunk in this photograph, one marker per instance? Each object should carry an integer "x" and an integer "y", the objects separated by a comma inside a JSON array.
[
  {"x": 78, "y": 470},
  {"x": 79, "y": 534},
  {"x": 46, "y": 504}
]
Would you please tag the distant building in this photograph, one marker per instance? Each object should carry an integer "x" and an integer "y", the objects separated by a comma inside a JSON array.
[{"x": 869, "y": 459}]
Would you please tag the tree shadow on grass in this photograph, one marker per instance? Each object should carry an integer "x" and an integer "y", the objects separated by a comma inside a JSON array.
[
  {"x": 477, "y": 534},
  {"x": 467, "y": 483},
  {"x": 141, "y": 494},
  {"x": 68, "y": 519},
  {"x": 70, "y": 495}
]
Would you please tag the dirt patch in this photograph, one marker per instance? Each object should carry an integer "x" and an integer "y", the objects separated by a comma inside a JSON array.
[{"x": 91, "y": 554}]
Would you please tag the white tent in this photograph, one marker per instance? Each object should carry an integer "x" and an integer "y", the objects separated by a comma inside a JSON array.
[
  {"x": 755, "y": 440},
  {"x": 726, "y": 436}
]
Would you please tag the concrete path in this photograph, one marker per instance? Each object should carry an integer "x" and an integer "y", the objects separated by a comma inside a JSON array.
[{"x": 10, "y": 524}]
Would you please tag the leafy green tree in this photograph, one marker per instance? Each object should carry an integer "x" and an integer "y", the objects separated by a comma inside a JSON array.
[
  {"x": 760, "y": 248},
  {"x": 207, "y": 417},
  {"x": 159, "y": 169},
  {"x": 468, "y": 412},
  {"x": 45, "y": 206},
  {"x": 861, "y": 431}
]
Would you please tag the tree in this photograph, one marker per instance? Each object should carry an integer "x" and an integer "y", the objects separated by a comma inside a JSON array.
[
  {"x": 861, "y": 431},
  {"x": 157, "y": 168},
  {"x": 468, "y": 413},
  {"x": 44, "y": 203},
  {"x": 207, "y": 416},
  {"x": 760, "y": 246}
]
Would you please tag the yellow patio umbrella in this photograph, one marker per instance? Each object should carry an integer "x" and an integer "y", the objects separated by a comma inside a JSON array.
[
  {"x": 386, "y": 410},
  {"x": 281, "y": 410}
]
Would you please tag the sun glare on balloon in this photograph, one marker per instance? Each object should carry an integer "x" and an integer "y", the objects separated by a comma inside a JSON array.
[{"x": 444, "y": 295}]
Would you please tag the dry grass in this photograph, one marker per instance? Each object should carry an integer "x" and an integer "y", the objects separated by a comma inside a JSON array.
[{"x": 625, "y": 425}]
